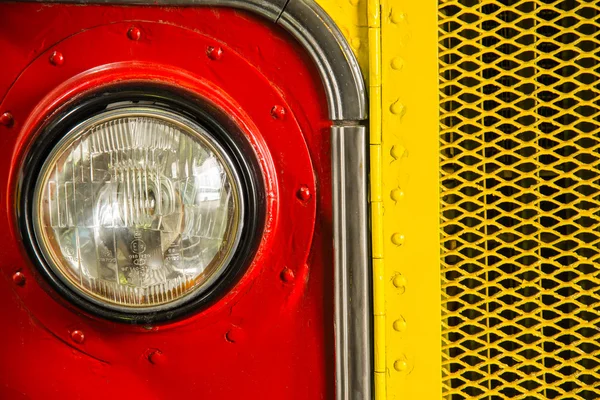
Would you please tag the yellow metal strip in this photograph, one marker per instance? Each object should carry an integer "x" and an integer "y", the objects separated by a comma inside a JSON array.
[
  {"x": 375, "y": 134},
  {"x": 410, "y": 178}
]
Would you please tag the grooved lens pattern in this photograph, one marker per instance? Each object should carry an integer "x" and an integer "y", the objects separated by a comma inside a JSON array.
[
  {"x": 137, "y": 208},
  {"x": 520, "y": 198}
]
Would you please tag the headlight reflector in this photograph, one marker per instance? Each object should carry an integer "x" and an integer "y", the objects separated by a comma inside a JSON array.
[{"x": 138, "y": 208}]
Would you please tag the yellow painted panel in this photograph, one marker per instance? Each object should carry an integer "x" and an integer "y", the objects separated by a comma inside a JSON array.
[{"x": 410, "y": 176}]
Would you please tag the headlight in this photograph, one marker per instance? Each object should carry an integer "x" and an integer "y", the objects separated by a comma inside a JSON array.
[{"x": 137, "y": 208}]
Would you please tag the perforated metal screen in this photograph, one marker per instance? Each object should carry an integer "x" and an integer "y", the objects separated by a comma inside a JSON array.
[{"x": 520, "y": 197}]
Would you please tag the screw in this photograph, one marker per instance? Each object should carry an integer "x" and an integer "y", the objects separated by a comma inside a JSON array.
[
  {"x": 156, "y": 357},
  {"x": 287, "y": 275},
  {"x": 214, "y": 53},
  {"x": 278, "y": 112},
  {"x": 134, "y": 33},
  {"x": 7, "y": 119},
  {"x": 57, "y": 58},
  {"x": 303, "y": 193},
  {"x": 19, "y": 279},
  {"x": 77, "y": 336}
]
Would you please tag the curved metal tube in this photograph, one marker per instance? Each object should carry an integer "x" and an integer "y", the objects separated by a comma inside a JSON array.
[
  {"x": 339, "y": 70},
  {"x": 306, "y": 21}
]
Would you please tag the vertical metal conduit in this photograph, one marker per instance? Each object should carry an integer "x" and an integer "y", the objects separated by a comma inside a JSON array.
[{"x": 352, "y": 275}]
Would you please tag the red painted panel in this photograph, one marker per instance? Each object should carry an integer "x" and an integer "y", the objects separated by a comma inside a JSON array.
[{"x": 271, "y": 336}]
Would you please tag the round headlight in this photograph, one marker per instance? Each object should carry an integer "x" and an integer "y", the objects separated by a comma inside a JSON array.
[{"x": 138, "y": 208}]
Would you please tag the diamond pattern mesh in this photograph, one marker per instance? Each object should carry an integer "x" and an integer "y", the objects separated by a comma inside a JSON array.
[{"x": 520, "y": 198}]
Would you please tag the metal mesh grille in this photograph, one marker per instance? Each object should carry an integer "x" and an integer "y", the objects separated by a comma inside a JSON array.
[{"x": 520, "y": 196}]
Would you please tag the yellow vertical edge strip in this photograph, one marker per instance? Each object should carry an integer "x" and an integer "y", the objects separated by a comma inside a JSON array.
[
  {"x": 375, "y": 135},
  {"x": 410, "y": 195}
]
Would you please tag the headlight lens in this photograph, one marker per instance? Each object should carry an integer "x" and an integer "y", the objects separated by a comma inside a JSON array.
[{"x": 137, "y": 208}]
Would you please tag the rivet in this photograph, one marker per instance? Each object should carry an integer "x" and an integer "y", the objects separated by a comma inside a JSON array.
[
  {"x": 355, "y": 42},
  {"x": 399, "y": 282},
  {"x": 287, "y": 275},
  {"x": 57, "y": 58},
  {"x": 397, "y": 194},
  {"x": 214, "y": 53},
  {"x": 7, "y": 119},
  {"x": 77, "y": 336},
  {"x": 397, "y": 63},
  {"x": 397, "y": 16},
  {"x": 400, "y": 365},
  {"x": 354, "y": 2},
  {"x": 398, "y": 108},
  {"x": 278, "y": 112},
  {"x": 134, "y": 33},
  {"x": 235, "y": 334},
  {"x": 398, "y": 239},
  {"x": 397, "y": 152},
  {"x": 156, "y": 357},
  {"x": 19, "y": 279},
  {"x": 303, "y": 193},
  {"x": 400, "y": 325}
]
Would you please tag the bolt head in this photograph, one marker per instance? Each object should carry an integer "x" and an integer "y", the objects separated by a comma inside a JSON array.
[
  {"x": 134, "y": 33},
  {"x": 400, "y": 325},
  {"x": 19, "y": 279},
  {"x": 399, "y": 282},
  {"x": 400, "y": 365},
  {"x": 57, "y": 58},
  {"x": 398, "y": 239},
  {"x": 397, "y": 151},
  {"x": 7, "y": 119},
  {"x": 278, "y": 112},
  {"x": 397, "y": 194},
  {"x": 214, "y": 53},
  {"x": 397, "y": 63},
  {"x": 303, "y": 193},
  {"x": 398, "y": 108},
  {"x": 77, "y": 336},
  {"x": 156, "y": 357},
  {"x": 287, "y": 275}
]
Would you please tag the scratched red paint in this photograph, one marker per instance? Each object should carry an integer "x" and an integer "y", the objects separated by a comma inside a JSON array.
[{"x": 283, "y": 331}]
